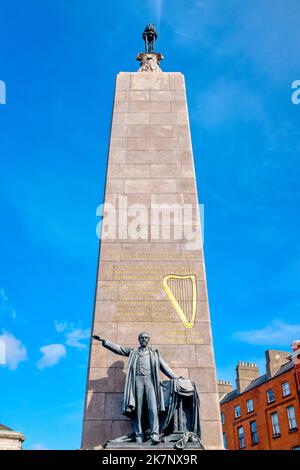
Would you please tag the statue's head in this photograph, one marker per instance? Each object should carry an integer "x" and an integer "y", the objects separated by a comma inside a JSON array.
[{"x": 144, "y": 339}]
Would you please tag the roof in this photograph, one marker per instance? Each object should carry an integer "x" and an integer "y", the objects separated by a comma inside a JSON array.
[
  {"x": 284, "y": 368},
  {"x": 257, "y": 382},
  {"x": 4, "y": 428}
]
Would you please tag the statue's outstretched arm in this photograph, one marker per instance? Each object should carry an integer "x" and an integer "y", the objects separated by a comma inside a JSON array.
[
  {"x": 166, "y": 369},
  {"x": 116, "y": 348}
]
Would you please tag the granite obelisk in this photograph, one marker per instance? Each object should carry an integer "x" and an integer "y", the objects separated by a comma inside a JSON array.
[{"x": 150, "y": 278}]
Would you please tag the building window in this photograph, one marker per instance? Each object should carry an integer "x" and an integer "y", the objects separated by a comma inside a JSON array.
[
  {"x": 296, "y": 448},
  {"x": 241, "y": 437},
  {"x": 237, "y": 411},
  {"x": 224, "y": 440},
  {"x": 275, "y": 425},
  {"x": 250, "y": 406},
  {"x": 291, "y": 417},
  {"x": 270, "y": 395},
  {"x": 254, "y": 435},
  {"x": 222, "y": 418},
  {"x": 286, "y": 389}
]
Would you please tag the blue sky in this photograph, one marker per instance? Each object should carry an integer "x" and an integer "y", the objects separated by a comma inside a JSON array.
[{"x": 59, "y": 59}]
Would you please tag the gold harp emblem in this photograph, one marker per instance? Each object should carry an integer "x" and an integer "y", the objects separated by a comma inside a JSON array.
[{"x": 181, "y": 291}]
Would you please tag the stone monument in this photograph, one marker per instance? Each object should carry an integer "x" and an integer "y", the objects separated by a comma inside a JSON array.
[{"x": 151, "y": 275}]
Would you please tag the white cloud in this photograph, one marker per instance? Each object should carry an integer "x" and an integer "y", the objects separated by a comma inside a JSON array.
[
  {"x": 2, "y": 352},
  {"x": 38, "y": 446},
  {"x": 15, "y": 352},
  {"x": 73, "y": 338},
  {"x": 5, "y": 306},
  {"x": 276, "y": 334},
  {"x": 52, "y": 354},
  {"x": 3, "y": 296},
  {"x": 60, "y": 326},
  {"x": 74, "y": 335}
]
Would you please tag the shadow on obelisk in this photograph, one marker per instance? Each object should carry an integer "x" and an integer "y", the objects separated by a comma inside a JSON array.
[{"x": 105, "y": 402}]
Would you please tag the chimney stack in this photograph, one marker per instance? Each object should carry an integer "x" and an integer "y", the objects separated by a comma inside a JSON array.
[
  {"x": 224, "y": 387},
  {"x": 275, "y": 359},
  {"x": 296, "y": 360},
  {"x": 245, "y": 373},
  {"x": 296, "y": 352}
]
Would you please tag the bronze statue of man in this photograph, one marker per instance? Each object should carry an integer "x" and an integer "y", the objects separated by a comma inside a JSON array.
[
  {"x": 142, "y": 380},
  {"x": 150, "y": 35}
]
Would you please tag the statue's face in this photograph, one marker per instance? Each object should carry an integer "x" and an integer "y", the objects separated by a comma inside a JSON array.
[{"x": 144, "y": 339}]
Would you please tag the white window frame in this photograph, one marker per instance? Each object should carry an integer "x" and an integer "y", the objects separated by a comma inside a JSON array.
[
  {"x": 268, "y": 398},
  {"x": 241, "y": 436},
  {"x": 284, "y": 394},
  {"x": 254, "y": 433},
  {"x": 275, "y": 424},
  {"x": 224, "y": 440},
  {"x": 252, "y": 404},
  {"x": 291, "y": 419},
  {"x": 237, "y": 407}
]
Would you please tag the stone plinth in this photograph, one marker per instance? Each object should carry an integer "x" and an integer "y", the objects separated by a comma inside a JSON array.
[
  {"x": 148, "y": 446},
  {"x": 150, "y": 162}
]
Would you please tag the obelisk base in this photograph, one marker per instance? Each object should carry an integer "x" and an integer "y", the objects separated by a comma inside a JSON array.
[{"x": 114, "y": 445}]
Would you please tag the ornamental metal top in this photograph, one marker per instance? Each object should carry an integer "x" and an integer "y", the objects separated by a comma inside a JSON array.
[{"x": 150, "y": 35}]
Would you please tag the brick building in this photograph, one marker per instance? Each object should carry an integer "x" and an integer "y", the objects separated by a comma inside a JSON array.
[{"x": 263, "y": 412}]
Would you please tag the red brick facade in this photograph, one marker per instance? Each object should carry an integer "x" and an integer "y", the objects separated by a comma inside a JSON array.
[{"x": 284, "y": 436}]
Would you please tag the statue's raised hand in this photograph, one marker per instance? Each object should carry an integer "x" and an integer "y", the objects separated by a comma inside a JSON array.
[{"x": 98, "y": 338}]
